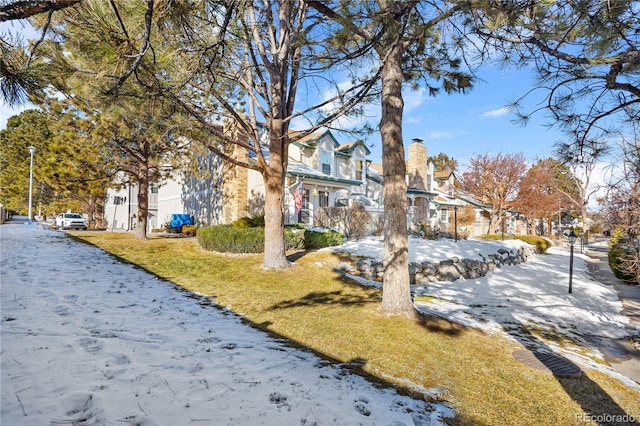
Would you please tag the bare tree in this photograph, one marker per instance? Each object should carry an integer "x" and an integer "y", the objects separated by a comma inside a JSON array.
[
  {"x": 495, "y": 181},
  {"x": 243, "y": 67},
  {"x": 581, "y": 162}
]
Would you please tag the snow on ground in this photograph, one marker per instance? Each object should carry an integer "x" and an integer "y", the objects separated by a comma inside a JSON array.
[
  {"x": 86, "y": 339},
  {"x": 513, "y": 298},
  {"x": 429, "y": 250}
]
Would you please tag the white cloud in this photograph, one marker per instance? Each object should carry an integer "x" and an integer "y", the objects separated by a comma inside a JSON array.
[
  {"x": 496, "y": 112},
  {"x": 413, "y": 99},
  {"x": 445, "y": 134}
]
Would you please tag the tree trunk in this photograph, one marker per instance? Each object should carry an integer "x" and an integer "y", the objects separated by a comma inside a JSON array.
[
  {"x": 143, "y": 202},
  {"x": 396, "y": 289},
  {"x": 274, "y": 249}
]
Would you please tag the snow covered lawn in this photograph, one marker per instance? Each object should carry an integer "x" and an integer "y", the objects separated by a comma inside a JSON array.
[
  {"x": 84, "y": 340},
  {"x": 513, "y": 298}
]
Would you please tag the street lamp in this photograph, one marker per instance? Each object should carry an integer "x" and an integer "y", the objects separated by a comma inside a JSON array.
[
  {"x": 32, "y": 149},
  {"x": 572, "y": 240},
  {"x": 455, "y": 220}
]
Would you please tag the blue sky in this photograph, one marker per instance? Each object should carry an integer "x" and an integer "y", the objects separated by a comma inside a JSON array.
[
  {"x": 479, "y": 122},
  {"x": 458, "y": 125}
]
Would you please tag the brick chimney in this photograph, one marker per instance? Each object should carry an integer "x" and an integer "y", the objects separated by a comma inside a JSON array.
[{"x": 417, "y": 165}]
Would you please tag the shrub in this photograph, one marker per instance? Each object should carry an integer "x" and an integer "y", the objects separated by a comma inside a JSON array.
[
  {"x": 617, "y": 256},
  {"x": 319, "y": 239},
  {"x": 616, "y": 234},
  {"x": 233, "y": 239},
  {"x": 293, "y": 238},
  {"x": 230, "y": 239},
  {"x": 542, "y": 244},
  {"x": 249, "y": 222},
  {"x": 624, "y": 258},
  {"x": 189, "y": 230}
]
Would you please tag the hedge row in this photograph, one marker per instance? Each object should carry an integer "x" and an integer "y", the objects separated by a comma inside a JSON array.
[
  {"x": 234, "y": 239},
  {"x": 542, "y": 244}
]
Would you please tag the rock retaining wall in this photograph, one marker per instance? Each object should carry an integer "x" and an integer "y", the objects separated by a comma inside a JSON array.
[{"x": 445, "y": 270}]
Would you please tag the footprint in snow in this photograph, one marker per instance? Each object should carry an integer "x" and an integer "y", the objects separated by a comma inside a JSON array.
[
  {"x": 80, "y": 408},
  {"x": 361, "y": 405},
  {"x": 90, "y": 344}
]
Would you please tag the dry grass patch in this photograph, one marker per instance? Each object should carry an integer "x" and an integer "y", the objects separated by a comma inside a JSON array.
[{"x": 315, "y": 307}]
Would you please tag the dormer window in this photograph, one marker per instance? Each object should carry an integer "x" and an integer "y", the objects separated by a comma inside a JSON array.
[
  {"x": 326, "y": 163},
  {"x": 359, "y": 169}
]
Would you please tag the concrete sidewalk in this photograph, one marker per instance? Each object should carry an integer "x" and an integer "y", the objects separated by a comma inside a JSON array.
[{"x": 623, "y": 355}]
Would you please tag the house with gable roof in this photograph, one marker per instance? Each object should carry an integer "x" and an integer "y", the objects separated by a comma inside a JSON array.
[
  {"x": 325, "y": 172},
  {"x": 433, "y": 197}
]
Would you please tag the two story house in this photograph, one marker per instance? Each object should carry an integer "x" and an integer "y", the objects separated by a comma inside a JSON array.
[
  {"x": 433, "y": 197},
  {"x": 326, "y": 173}
]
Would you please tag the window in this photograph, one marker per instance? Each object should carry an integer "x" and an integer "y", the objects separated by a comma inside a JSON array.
[
  {"x": 444, "y": 214},
  {"x": 358, "y": 169},
  {"x": 326, "y": 163},
  {"x": 323, "y": 198}
]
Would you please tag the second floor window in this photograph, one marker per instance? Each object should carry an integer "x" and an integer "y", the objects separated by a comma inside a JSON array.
[
  {"x": 326, "y": 163},
  {"x": 358, "y": 169}
]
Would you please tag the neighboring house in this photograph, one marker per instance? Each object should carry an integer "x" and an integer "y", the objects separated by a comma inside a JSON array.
[
  {"x": 331, "y": 174},
  {"x": 432, "y": 196},
  {"x": 326, "y": 173}
]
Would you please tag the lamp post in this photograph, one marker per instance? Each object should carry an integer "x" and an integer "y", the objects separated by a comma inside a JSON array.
[
  {"x": 572, "y": 240},
  {"x": 455, "y": 221},
  {"x": 32, "y": 149}
]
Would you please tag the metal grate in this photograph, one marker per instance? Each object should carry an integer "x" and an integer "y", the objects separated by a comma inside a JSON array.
[{"x": 548, "y": 362}]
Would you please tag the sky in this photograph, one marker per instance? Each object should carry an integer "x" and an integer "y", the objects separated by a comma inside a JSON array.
[
  {"x": 116, "y": 345},
  {"x": 478, "y": 122},
  {"x": 458, "y": 125}
]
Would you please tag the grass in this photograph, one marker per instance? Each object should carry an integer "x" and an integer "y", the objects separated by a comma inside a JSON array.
[{"x": 329, "y": 314}]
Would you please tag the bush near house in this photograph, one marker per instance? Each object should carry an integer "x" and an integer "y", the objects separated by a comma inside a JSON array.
[
  {"x": 319, "y": 239},
  {"x": 249, "y": 222},
  {"x": 542, "y": 244},
  {"x": 242, "y": 239},
  {"x": 229, "y": 239},
  {"x": 624, "y": 260}
]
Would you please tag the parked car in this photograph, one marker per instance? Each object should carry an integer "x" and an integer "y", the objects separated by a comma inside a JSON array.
[{"x": 71, "y": 221}]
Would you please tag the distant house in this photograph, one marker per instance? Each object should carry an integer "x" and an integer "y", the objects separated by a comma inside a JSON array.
[{"x": 433, "y": 197}]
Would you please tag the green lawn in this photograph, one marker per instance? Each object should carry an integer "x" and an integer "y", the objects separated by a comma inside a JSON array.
[{"x": 314, "y": 307}]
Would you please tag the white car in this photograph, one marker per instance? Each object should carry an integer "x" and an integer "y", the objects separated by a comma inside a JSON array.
[{"x": 71, "y": 221}]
